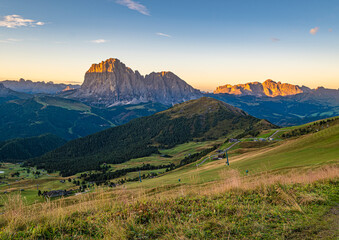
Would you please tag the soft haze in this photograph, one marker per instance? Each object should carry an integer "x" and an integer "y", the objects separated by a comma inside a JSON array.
[{"x": 206, "y": 43}]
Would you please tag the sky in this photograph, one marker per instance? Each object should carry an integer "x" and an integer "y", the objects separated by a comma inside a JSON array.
[{"x": 206, "y": 43}]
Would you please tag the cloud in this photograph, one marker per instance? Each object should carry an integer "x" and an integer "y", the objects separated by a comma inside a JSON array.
[
  {"x": 133, "y": 5},
  {"x": 275, "y": 39},
  {"x": 163, "y": 34},
  {"x": 10, "y": 40},
  {"x": 99, "y": 41},
  {"x": 314, "y": 31},
  {"x": 14, "y": 21},
  {"x": 72, "y": 82}
]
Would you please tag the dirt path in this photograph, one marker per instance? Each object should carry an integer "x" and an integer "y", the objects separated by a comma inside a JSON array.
[
  {"x": 201, "y": 163},
  {"x": 274, "y": 134}
]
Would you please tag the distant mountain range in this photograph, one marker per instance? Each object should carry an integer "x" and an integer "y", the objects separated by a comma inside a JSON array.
[
  {"x": 281, "y": 103},
  {"x": 111, "y": 83},
  {"x": 28, "y": 86},
  {"x": 66, "y": 118},
  {"x": 285, "y": 111},
  {"x": 7, "y": 94},
  {"x": 201, "y": 119},
  {"x": 271, "y": 88}
]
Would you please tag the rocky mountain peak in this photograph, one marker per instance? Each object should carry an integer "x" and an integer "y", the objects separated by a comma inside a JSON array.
[
  {"x": 109, "y": 65},
  {"x": 267, "y": 88},
  {"x": 111, "y": 82}
]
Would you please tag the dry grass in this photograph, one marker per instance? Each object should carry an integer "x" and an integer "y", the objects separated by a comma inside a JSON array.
[
  {"x": 232, "y": 180},
  {"x": 115, "y": 205}
]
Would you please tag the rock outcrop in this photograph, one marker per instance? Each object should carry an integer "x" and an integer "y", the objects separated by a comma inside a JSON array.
[
  {"x": 68, "y": 88},
  {"x": 111, "y": 83},
  {"x": 268, "y": 88}
]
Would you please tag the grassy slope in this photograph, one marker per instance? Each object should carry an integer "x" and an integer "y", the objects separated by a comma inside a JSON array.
[
  {"x": 62, "y": 103},
  {"x": 177, "y": 154},
  {"x": 258, "y": 208},
  {"x": 29, "y": 183},
  {"x": 319, "y": 148},
  {"x": 307, "y": 151},
  {"x": 49, "y": 182}
]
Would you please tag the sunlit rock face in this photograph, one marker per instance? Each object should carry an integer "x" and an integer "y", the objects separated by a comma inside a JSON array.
[
  {"x": 268, "y": 88},
  {"x": 68, "y": 88},
  {"x": 112, "y": 83}
]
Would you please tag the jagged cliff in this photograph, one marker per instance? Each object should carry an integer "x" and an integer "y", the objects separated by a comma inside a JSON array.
[
  {"x": 112, "y": 83},
  {"x": 268, "y": 88}
]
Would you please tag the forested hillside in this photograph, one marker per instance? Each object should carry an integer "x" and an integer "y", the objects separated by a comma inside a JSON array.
[
  {"x": 205, "y": 118},
  {"x": 20, "y": 149}
]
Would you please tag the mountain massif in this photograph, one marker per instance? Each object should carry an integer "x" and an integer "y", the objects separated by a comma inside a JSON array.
[
  {"x": 201, "y": 119},
  {"x": 268, "y": 88},
  {"x": 111, "y": 83},
  {"x": 281, "y": 103},
  {"x": 28, "y": 86}
]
